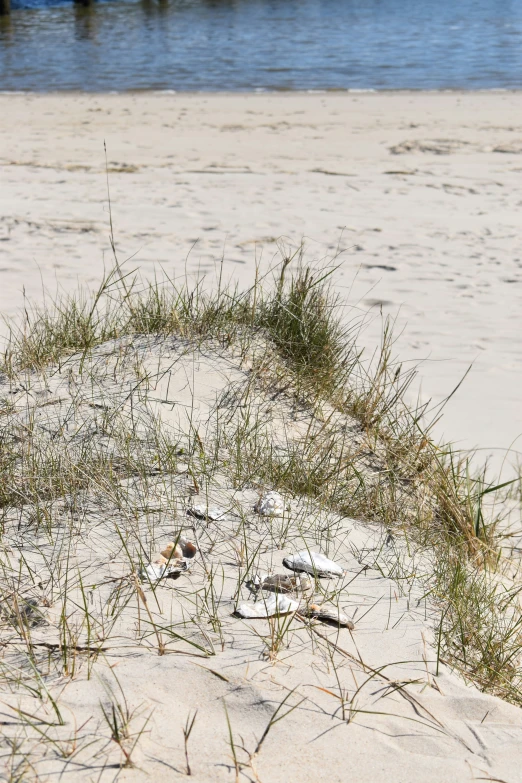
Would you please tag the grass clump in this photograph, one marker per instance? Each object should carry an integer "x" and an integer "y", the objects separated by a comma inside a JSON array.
[
  {"x": 302, "y": 321},
  {"x": 348, "y": 437}
]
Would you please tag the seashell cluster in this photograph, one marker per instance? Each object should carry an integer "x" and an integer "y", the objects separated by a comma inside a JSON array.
[
  {"x": 271, "y": 504},
  {"x": 313, "y": 563},
  {"x": 173, "y": 552},
  {"x": 276, "y": 604},
  {"x": 171, "y": 561},
  {"x": 329, "y": 614},
  {"x": 280, "y": 585}
]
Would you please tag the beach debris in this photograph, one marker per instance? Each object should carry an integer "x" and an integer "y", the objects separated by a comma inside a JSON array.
[
  {"x": 207, "y": 513},
  {"x": 171, "y": 562},
  {"x": 276, "y": 604},
  {"x": 281, "y": 583},
  {"x": 312, "y": 563},
  {"x": 188, "y": 548},
  {"x": 329, "y": 614},
  {"x": 172, "y": 551},
  {"x": 153, "y": 572},
  {"x": 176, "y": 551},
  {"x": 271, "y": 504}
]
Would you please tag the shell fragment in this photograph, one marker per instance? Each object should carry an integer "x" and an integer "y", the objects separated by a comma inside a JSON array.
[
  {"x": 276, "y": 604},
  {"x": 329, "y": 614},
  {"x": 312, "y": 563},
  {"x": 271, "y": 504},
  {"x": 153, "y": 572},
  {"x": 209, "y": 513},
  {"x": 281, "y": 583},
  {"x": 188, "y": 548},
  {"x": 172, "y": 551}
]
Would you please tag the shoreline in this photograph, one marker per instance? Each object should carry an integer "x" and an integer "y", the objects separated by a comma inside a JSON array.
[{"x": 276, "y": 91}]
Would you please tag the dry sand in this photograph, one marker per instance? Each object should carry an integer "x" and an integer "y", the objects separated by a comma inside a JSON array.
[
  {"x": 421, "y": 191},
  {"x": 407, "y": 719}
]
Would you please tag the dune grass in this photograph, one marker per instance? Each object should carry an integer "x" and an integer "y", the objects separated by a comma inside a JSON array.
[{"x": 363, "y": 452}]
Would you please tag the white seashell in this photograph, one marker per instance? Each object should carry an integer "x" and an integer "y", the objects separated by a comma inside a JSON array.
[
  {"x": 212, "y": 513},
  {"x": 271, "y": 504},
  {"x": 257, "y": 581},
  {"x": 312, "y": 563},
  {"x": 274, "y": 605},
  {"x": 329, "y": 614},
  {"x": 153, "y": 572}
]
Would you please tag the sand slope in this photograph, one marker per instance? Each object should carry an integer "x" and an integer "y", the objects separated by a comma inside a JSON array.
[{"x": 405, "y": 718}]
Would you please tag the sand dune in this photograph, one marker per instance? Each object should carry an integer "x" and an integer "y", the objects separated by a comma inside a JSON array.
[
  {"x": 421, "y": 192},
  {"x": 133, "y": 660}
]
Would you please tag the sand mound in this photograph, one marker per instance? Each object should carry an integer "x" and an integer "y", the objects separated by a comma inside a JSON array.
[{"x": 146, "y": 440}]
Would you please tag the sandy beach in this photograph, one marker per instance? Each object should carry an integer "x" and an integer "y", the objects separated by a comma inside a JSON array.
[
  {"x": 421, "y": 193},
  {"x": 104, "y": 664},
  {"x": 110, "y": 651},
  {"x": 369, "y": 628}
]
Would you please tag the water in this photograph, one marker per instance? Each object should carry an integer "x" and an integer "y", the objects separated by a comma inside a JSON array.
[{"x": 262, "y": 44}]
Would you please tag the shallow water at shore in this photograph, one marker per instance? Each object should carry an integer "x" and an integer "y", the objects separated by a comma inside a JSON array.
[{"x": 239, "y": 45}]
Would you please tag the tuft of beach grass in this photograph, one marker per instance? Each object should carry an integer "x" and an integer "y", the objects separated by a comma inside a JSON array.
[{"x": 306, "y": 415}]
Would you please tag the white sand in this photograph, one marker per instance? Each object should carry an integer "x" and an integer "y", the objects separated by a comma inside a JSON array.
[
  {"x": 433, "y": 231},
  {"x": 409, "y": 720},
  {"x": 436, "y": 236}
]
